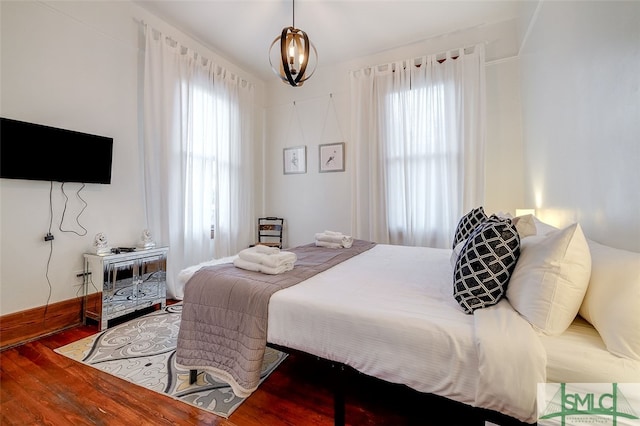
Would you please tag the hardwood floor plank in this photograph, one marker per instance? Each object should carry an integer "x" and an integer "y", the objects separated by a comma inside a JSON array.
[
  {"x": 291, "y": 396},
  {"x": 40, "y": 387},
  {"x": 88, "y": 395},
  {"x": 47, "y": 408},
  {"x": 14, "y": 413},
  {"x": 60, "y": 386}
]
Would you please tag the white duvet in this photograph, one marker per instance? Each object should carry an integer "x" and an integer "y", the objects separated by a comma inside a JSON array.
[{"x": 390, "y": 313}]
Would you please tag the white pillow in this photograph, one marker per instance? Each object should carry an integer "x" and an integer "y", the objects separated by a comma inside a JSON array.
[
  {"x": 612, "y": 301},
  {"x": 543, "y": 228},
  {"x": 551, "y": 278},
  {"x": 525, "y": 225}
]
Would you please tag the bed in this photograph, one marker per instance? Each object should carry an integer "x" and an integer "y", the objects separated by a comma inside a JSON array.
[{"x": 388, "y": 312}]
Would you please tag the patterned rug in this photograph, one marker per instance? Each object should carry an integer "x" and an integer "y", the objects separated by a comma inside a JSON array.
[{"x": 142, "y": 351}]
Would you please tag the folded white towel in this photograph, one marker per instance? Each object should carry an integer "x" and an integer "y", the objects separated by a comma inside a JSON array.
[
  {"x": 260, "y": 248},
  {"x": 328, "y": 244},
  {"x": 345, "y": 241},
  {"x": 256, "y": 267},
  {"x": 275, "y": 260}
]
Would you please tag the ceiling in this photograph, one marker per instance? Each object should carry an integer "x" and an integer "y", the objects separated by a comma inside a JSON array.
[{"x": 242, "y": 30}]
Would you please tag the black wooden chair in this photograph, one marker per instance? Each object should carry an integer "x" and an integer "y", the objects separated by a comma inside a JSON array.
[{"x": 270, "y": 231}]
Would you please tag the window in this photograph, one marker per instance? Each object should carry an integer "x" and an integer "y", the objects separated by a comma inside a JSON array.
[
  {"x": 198, "y": 121},
  {"x": 212, "y": 158},
  {"x": 199, "y": 149},
  {"x": 420, "y": 163},
  {"x": 418, "y": 129}
]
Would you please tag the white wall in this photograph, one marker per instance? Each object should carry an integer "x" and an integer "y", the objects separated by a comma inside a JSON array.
[
  {"x": 581, "y": 118},
  {"x": 74, "y": 65},
  {"x": 504, "y": 179},
  {"x": 314, "y": 201}
]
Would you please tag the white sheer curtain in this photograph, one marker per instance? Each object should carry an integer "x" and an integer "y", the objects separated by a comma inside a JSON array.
[
  {"x": 197, "y": 155},
  {"x": 418, "y": 128}
]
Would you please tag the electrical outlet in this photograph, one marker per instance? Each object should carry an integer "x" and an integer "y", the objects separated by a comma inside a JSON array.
[
  {"x": 80, "y": 278},
  {"x": 48, "y": 237}
]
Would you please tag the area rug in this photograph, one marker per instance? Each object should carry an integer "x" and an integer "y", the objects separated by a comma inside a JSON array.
[{"x": 142, "y": 351}]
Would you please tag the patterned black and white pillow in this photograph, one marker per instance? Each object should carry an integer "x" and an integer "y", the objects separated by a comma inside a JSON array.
[
  {"x": 467, "y": 224},
  {"x": 485, "y": 264}
]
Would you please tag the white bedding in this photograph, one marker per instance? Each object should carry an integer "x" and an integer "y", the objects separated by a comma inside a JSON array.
[
  {"x": 390, "y": 313},
  {"x": 580, "y": 356},
  {"x": 382, "y": 311},
  {"x": 186, "y": 274}
]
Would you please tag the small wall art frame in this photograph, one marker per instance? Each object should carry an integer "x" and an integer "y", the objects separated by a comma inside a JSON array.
[
  {"x": 331, "y": 157},
  {"x": 294, "y": 160}
]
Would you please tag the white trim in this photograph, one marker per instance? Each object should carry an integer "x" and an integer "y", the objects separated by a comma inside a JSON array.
[{"x": 532, "y": 22}]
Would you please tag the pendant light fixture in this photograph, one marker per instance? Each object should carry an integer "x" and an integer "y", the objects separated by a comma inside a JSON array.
[{"x": 295, "y": 55}]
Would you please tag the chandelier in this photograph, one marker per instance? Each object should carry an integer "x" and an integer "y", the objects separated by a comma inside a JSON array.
[{"x": 295, "y": 55}]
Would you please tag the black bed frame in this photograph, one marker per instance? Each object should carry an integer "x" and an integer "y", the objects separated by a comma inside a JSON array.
[{"x": 339, "y": 371}]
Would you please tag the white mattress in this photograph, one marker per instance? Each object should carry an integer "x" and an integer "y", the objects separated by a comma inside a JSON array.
[
  {"x": 380, "y": 313},
  {"x": 580, "y": 356}
]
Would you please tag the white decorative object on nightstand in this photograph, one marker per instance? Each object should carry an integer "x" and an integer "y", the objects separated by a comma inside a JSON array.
[
  {"x": 146, "y": 240},
  {"x": 129, "y": 281},
  {"x": 101, "y": 244}
]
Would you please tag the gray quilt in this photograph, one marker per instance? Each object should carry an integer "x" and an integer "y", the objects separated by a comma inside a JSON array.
[{"x": 224, "y": 317}]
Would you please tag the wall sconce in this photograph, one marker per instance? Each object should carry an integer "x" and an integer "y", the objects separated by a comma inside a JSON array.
[{"x": 295, "y": 55}]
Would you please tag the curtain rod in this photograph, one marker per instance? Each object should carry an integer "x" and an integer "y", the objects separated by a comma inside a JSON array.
[
  {"x": 196, "y": 51},
  {"x": 445, "y": 52}
]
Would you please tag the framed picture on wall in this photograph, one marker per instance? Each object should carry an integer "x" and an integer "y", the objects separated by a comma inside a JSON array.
[
  {"x": 332, "y": 157},
  {"x": 294, "y": 160}
]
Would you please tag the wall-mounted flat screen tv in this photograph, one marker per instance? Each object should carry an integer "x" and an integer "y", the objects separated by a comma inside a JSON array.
[{"x": 36, "y": 152}]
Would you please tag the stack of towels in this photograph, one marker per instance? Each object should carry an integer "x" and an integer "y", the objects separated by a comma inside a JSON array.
[
  {"x": 332, "y": 239},
  {"x": 265, "y": 259}
]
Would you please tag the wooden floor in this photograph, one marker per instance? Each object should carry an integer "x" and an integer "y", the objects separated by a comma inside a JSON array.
[{"x": 39, "y": 386}]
